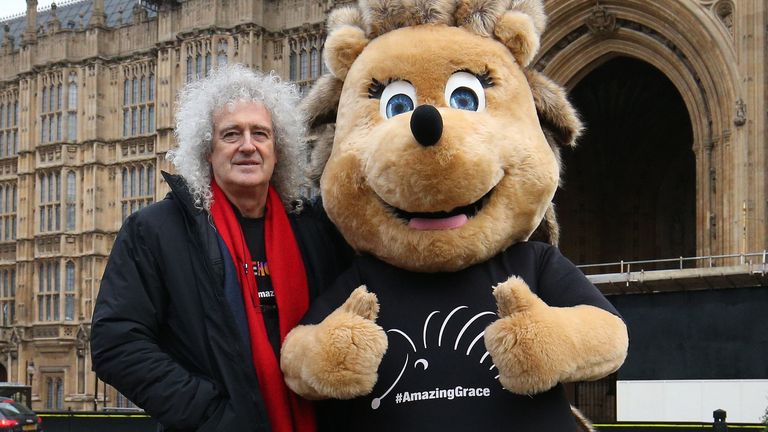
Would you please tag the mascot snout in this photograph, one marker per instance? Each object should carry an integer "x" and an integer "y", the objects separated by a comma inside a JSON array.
[{"x": 426, "y": 125}]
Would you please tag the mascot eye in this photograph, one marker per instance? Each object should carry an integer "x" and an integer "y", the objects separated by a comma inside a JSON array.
[
  {"x": 465, "y": 91},
  {"x": 397, "y": 98}
]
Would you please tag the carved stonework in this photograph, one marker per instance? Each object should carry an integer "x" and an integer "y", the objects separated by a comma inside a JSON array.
[
  {"x": 741, "y": 113},
  {"x": 724, "y": 12},
  {"x": 139, "y": 148},
  {"x": 601, "y": 22}
]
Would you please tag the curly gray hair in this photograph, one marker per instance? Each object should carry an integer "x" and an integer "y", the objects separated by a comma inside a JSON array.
[{"x": 200, "y": 100}]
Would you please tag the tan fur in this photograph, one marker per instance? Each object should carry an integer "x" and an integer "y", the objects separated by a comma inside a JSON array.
[
  {"x": 516, "y": 30},
  {"x": 320, "y": 143},
  {"x": 483, "y": 17},
  {"x": 342, "y": 48},
  {"x": 345, "y": 15},
  {"x": 536, "y": 346},
  {"x": 548, "y": 230},
  {"x": 373, "y": 154},
  {"x": 339, "y": 357},
  {"x": 510, "y": 148},
  {"x": 555, "y": 112},
  {"x": 433, "y": 11},
  {"x": 582, "y": 422},
  {"x": 320, "y": 103},
  {"x": 534, "y": 9},
  {"x": 479, "y": 16}
]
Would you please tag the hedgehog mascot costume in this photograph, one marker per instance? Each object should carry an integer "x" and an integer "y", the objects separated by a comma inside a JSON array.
[{"x": 440, "y": 171}]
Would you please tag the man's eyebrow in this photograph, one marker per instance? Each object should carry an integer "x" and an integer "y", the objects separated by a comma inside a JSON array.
[
  {"x": 262, "y": 127},
  {"x": 227, "y": 126}
]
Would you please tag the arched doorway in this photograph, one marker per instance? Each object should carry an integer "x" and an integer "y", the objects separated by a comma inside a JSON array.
[
  {"x": 3, "y": 373},
  {"x": 629, "y": 186}
]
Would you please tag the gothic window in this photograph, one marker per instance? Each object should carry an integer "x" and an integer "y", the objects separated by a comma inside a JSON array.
[
  {"x": 293, "y": 66},
  {"x": 151, "y": 86},
  {"x": 8, "y": 296},
  {"x": 69, "y": 295},
  {"x": 50, "y": 201},
  {"x": 138, "y": 191},
  {"x": 221, "y": 53},
  {"x": 139, "y": 100},
  {"x": 9, "y": 123},
  {"x": 8, "y": 211},
  {"x": 72, "y": 107},
  {"x": 304, "y": 66},
  {"x": 54, "y": 386},
  {"x": 190, "y": 74},
  {"x": 53, "y": 102},
  {"x": 43, "y": 129},
  {"x": 208, "y": 63},
  {"x": 48, "y": 291},
  {"x": 71, "y": 200},
  {"x": 314, "y": 63}
]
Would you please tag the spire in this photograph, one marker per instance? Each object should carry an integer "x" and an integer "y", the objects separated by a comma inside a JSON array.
[
  {"x": 99, "y": 18},
  {"x": 7, "y": 43},
  {"x": 30, "y": 34},
  {"x": 54, "y": 24}
]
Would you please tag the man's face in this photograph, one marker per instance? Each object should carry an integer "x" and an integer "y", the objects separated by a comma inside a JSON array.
[{"x": 243, "y": 149}]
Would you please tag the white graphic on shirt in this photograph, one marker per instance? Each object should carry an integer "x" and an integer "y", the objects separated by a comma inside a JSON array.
[{"x": 422, "y": 364}]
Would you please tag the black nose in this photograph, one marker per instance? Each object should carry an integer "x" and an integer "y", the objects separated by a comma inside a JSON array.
[{"x": 426, "y": 125}]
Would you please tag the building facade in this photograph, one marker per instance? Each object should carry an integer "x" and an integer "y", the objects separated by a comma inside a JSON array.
[
  {"x": 674, "y": 163},
  {"x": 87, "y": 94}
]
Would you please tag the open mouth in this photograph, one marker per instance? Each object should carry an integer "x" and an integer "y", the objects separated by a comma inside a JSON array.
[{"x": 441, "y": 220}]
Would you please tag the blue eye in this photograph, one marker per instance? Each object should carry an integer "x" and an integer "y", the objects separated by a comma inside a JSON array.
[
  {"x": 398, "y": 97},
  {"x": 464, "y": 91},
  {"x": 399, "y": 104},
  {"x": 464, "y": 98}
]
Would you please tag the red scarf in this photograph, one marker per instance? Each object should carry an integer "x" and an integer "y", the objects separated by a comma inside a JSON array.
[{"x": 287, "y": 412}]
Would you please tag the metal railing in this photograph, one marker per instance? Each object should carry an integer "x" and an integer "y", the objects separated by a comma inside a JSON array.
[{"x": 679, "y": 263}]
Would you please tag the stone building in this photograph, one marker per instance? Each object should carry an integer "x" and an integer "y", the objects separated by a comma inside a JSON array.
[{"x": 673, "y": 163}]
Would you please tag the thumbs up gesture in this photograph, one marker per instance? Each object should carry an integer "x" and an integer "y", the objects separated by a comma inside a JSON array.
[
  {"x": 535, "y": 346},
  {"x": 339, "y": 357}
]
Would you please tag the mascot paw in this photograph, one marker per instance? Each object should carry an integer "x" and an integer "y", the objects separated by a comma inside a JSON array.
[
  {"x": 519, "y": 340},
  {"x": 339, "y": 357}
]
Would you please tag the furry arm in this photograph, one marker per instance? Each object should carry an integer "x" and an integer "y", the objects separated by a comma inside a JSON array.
[
  {"x": 339, "y": 357},
  {"x": 535, "y": 346}
]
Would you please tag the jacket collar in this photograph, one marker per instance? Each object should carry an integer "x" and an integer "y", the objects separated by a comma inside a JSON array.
[{"x": 181, "y": 192}]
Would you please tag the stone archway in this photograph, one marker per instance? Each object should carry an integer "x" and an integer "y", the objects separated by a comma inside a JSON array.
[
  {"x": 629, "y": 187},
  {"x": 695, "y": 54}
]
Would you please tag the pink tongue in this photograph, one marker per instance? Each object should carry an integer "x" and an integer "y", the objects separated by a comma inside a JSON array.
[{"x": 438, "y": 224}]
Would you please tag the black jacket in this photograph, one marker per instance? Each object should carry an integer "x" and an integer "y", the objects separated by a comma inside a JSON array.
[{"x": 169, "y": 336}]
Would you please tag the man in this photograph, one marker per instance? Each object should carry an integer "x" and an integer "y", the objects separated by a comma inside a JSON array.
[{"x": 201, "y": 287}]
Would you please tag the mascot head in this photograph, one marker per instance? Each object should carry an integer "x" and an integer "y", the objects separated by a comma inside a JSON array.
[{"x": 445, "y": 148}]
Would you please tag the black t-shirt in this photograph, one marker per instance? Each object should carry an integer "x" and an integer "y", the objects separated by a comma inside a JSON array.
[
  {"x": 436, "y": 373},
  {"x": 253, "y": 230}
]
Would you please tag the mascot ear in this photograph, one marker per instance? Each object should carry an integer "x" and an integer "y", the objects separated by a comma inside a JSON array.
[
  {"x": 342, "y": 48},
  {"x": 520, "y": 29},
  {"x": 346, "y": 40},
  {"x": 516, "y": 31},
  {"x": 518, "y": 24}
]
